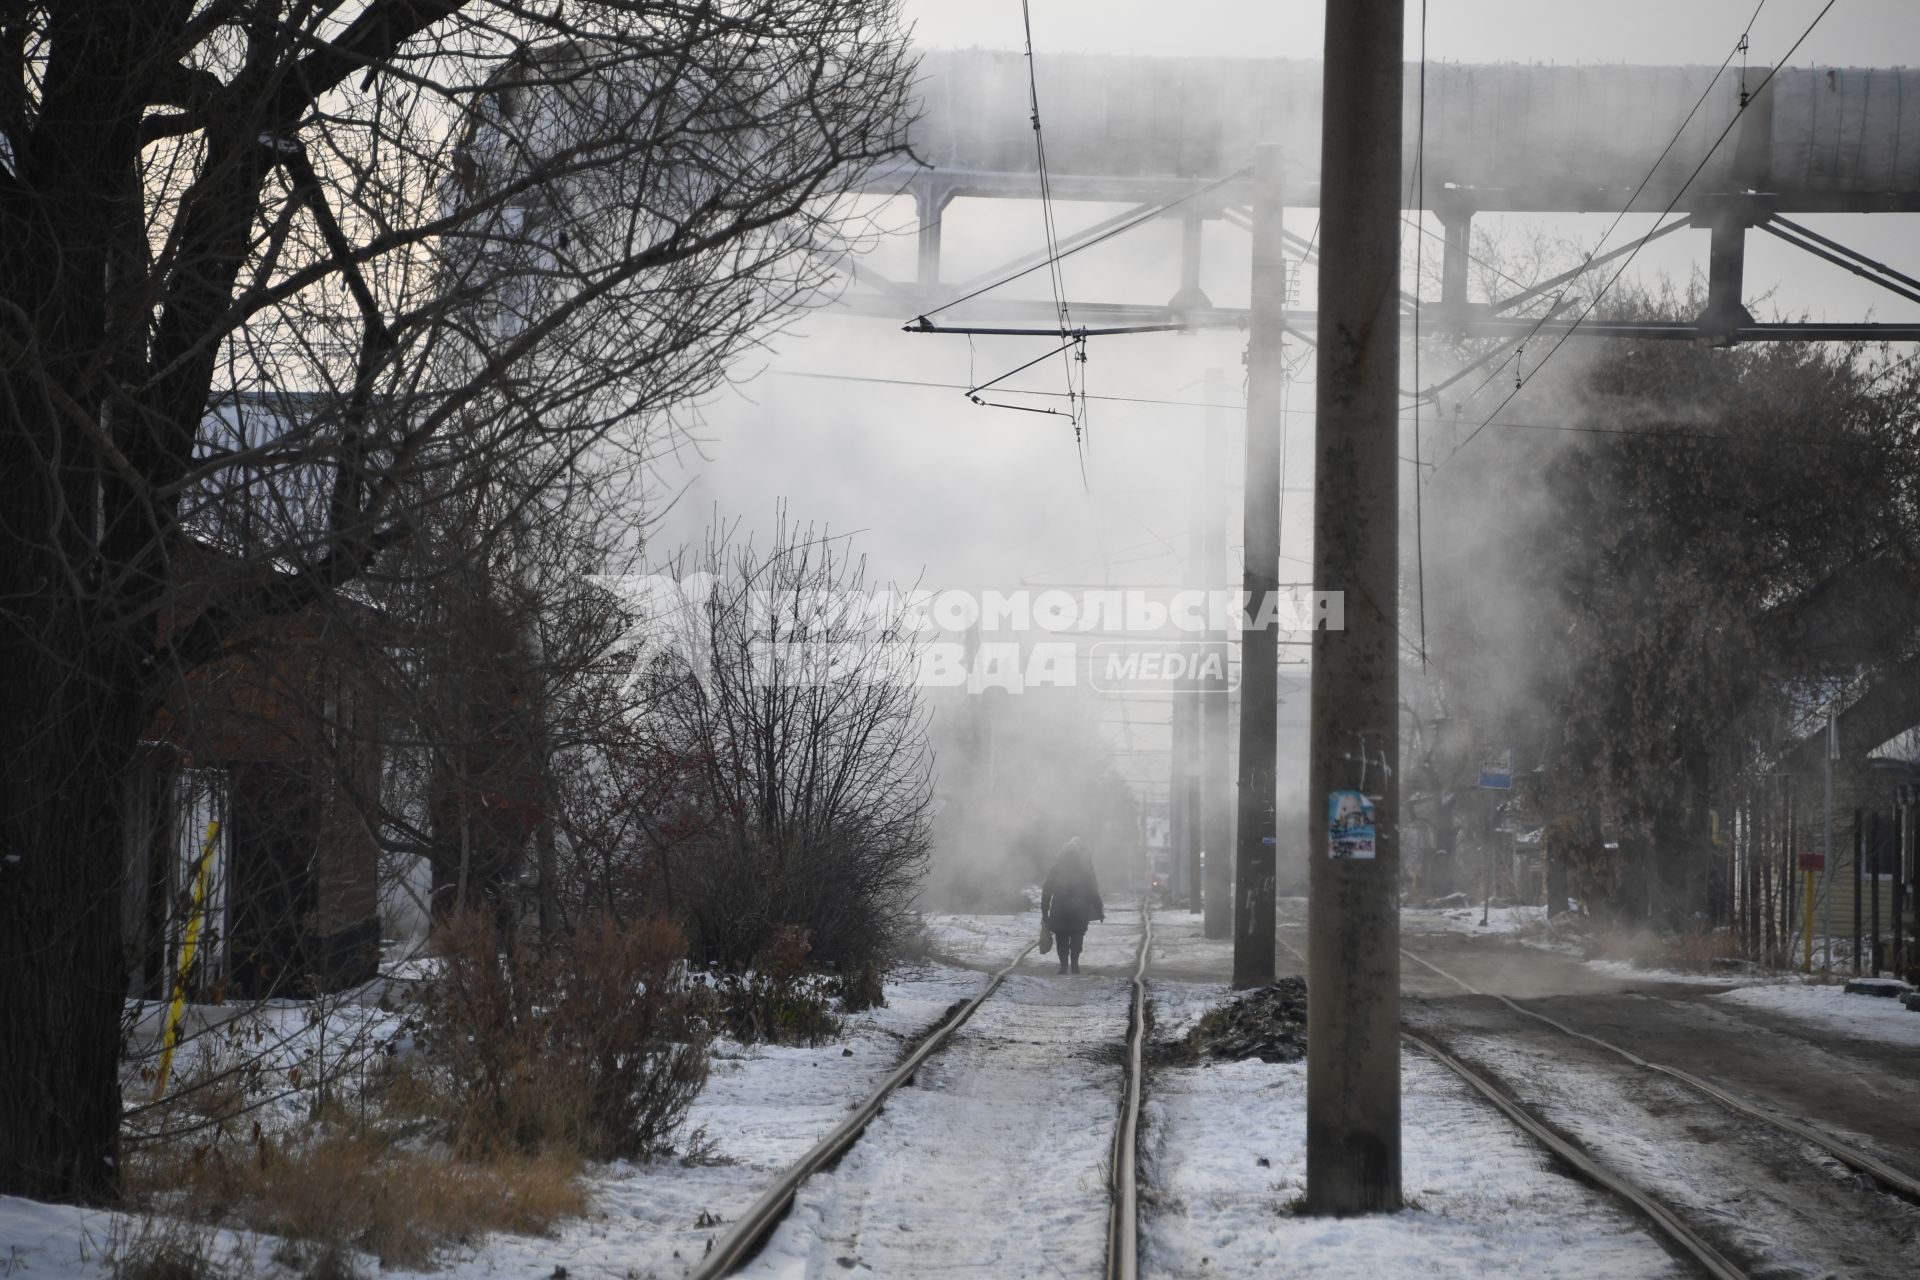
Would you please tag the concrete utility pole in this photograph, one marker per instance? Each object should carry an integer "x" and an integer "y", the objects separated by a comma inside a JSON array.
[
  {"x": 1255, "y": 847},
  {"x": 1826, "y": 846},
  {"x": 1353, "y": 854},
  {"x": 1186, "y": 697},
  {"x": 1216, "y": 818},
  {"x": 1177, "y": 879}
]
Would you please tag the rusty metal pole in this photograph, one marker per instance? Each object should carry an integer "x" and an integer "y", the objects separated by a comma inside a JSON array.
[
  {"x": 1353, "y": 923},
  {"x": 1254, "y": 841}
]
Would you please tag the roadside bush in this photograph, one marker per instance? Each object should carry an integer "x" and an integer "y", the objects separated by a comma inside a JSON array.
[
  {"x": 777, "y": 1000},
  {"x": 589, "y": 1044},
  {"x": 863, "y": 989}
]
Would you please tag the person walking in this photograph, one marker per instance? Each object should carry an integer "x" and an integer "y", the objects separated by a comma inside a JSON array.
[{"x": 1069, "y": 899}]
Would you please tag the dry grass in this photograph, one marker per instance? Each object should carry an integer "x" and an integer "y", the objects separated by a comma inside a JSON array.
[
  {"x": 355, "y": 1191},
  {"x": 1696, "y": 949},
  {"x": 535, "y": 1058},
  {"x": 165, "y": 1248},
  {"x": 1691, "y": 950}
]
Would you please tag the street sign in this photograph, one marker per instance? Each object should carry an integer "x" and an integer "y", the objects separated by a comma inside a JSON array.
[
  {"x": 1813, "y": 862},
  {"x": 1496, "y": 770}
]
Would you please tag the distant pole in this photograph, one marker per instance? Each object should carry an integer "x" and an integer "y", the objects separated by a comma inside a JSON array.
[
  {"x": 1253, "y": 915},
  {"x": 1196, "y": 877},
  {"x": 1857, "y": 845},
  {"x": 1187, "y": 692},
  {"x": 1216, "y": 814},
  {"x": 1353, "y": 923},
  {"x": 1826, "y": 853},
  {"x": 1177, "y": 798}
]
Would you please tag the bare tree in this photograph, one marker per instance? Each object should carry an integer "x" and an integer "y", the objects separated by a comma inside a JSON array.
[
  {"x": 774, "y": 770},
  {"x": 1666, "y": 552},
  {"x": 427, "y": 246}
]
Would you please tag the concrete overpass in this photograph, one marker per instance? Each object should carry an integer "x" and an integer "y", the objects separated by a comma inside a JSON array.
[{"x": 1177, "y": 134}]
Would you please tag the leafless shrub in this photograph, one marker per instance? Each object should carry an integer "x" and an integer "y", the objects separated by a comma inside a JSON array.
[
  {"x": 776, "y": 772},
  {"x": 776, "y": 999},
  {"x": 863, "y": 989},
  {"x": 586, "y": 1044}
]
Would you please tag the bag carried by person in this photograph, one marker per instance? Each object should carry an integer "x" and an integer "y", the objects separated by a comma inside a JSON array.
[{"x": 1046, "y": 938}]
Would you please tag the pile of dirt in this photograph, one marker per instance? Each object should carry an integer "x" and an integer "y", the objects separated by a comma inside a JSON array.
[{"x": 1269, "y": 1024}]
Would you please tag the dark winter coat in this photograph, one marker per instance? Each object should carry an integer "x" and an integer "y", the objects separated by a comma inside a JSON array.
[{"x": 1071, "y": 895}]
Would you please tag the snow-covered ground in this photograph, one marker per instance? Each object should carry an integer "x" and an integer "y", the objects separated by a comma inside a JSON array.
[
  {"x": 763, "y": 1106},
  {"x": 1829, "y": 1007},
  {"x": 1483, "y": 1199},
  {"x": 1501, "y": 920},
  {"x": 994, "y": 1162},
  {"x": 1225, "y": 1154}
]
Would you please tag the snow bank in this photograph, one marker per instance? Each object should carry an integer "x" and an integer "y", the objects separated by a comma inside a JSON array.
[
  {"x": 1502, "y": 920},
  {"x": 1831, "y": 1009}
]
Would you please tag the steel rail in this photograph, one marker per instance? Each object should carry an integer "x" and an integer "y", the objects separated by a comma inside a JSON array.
[
  {"x": 1894, "y": 1180},
  {"x": 1705, "y": 1254},
  {"x": 1123, "y": 1220},
  {"x": 738, "y": 1245}
]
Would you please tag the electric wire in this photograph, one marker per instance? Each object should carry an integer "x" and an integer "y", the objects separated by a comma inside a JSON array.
[
  {"x": 1520, "y": 382},
  {"x": 1056, "y": 279},
  {"x": 1594, "y": 255},
  {"x": 1663, "y": 433}
]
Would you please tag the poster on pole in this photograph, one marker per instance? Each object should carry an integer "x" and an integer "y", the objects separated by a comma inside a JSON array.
[{"x": 1350, "y": 826}]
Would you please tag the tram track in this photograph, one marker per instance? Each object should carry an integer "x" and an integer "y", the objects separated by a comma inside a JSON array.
[
  {"x": 1889, "y": 1179},
  {"x": 1665, "y": 1220},
  {"x": 744, "y": 1238}
]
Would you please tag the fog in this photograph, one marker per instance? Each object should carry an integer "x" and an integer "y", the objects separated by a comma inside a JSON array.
[{"x": 951, "y": 494}]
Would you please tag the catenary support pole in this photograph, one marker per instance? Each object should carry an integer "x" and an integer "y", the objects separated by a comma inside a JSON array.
[
  {"x": 1857, "y": 843},
  {"x": 1255, "y": 840},
  {"x": 1826, "y": 850},
  {"x": 1353, "y": 923},
  {"x": 1876, "y": 842},
  {"x": 1216, "y": 799},
  {"x": 1177, "y": 871},
  {"x": 1187, "y": 693}
]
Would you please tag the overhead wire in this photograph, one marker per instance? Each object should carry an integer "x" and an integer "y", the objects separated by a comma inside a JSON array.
[
  {"x": 1055, "y": 277},
  {"x": 1571, "y": 428},
  {"x": 1746, "y": 100}
]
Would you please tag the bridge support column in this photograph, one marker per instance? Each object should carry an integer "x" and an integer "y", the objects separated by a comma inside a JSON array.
[
  {"x": 1191, "y": 297},
  {"x": 1728, "y": 221},
  {"x": 929, "y": 204},
  {"x": 1457, "y": 223}
]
